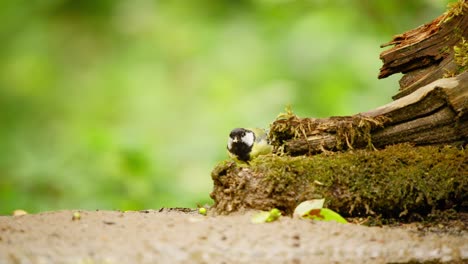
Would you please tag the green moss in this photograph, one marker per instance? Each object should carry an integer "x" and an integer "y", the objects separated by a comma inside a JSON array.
[
  {"x": 401, "y": 181},
  {"x": 461, "y": 55},
  {"x": 455, "y": 9},
  {"x": 444, "y": 50},
  {"x": 350, "y": 131},
  {"x": 288, "y": 126}
]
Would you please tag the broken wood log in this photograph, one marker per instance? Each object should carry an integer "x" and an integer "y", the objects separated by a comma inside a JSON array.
[
  {"x": 434, "y": 114},
  {"x": 429, "y": 109},
  {"x": 427, "y": 53}
]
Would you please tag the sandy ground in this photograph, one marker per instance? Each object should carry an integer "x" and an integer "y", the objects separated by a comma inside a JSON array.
[{"x": 172, "y": 236}]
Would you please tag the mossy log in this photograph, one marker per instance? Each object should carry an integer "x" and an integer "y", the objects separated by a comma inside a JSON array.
[
  {"x": 426, "y": 171},
  {"x": 400, "y": 181}
]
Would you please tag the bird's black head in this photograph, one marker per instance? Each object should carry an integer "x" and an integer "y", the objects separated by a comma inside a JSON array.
[{"x": 240, "y": 143}]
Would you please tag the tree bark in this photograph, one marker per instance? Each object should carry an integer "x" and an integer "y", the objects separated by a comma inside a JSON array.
[
  {"x": 434, "y": 114},
  {"x": 426, "y": 53},
  {"x": 428, "y": 110}
]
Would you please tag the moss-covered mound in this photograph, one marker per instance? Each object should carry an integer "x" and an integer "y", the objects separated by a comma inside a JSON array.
[{"x": 399, "y": 181}]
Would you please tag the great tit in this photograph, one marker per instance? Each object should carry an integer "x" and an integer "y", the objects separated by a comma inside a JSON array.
[{"x": 246, "y": 144}]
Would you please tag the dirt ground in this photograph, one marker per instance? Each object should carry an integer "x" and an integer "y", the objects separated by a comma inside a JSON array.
[{"x": 174, "y": 236}]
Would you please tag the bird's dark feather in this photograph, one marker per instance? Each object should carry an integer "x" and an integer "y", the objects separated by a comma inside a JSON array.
[{"x": 241, "y": 150}]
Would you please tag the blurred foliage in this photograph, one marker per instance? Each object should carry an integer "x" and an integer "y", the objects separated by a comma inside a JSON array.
[{"x": 128, "y": 104}]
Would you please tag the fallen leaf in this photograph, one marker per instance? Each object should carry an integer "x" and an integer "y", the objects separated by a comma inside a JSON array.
[
  {"x": 326, "y": 214},
  {"x": 305, "y": 207},
  {"x": 76, "y": 216},
  {"x": 313, "y": 209},
  {"x": 19, "y": 212},
  {"x": 266, "y": 217}
]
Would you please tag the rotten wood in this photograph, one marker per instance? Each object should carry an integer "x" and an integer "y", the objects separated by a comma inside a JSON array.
[
  {"x": 428, "y": 109},
  {"x": 435, "y": 114},
  {"x": 426, "y": 53}
]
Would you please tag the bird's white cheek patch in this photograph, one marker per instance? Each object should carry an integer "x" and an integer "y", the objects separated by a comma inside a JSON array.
[
  {"x": 248, "y": 139},
  {"x": 230, "y": 143}
]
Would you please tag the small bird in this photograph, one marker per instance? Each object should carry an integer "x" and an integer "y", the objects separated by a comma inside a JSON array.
[{"x": 246, "y": 144}]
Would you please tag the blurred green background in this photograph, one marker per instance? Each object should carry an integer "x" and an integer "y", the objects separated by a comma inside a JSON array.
[{"x": 128, "y": 104}]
